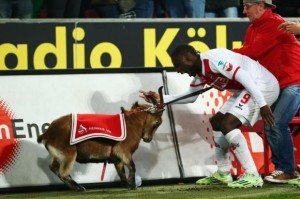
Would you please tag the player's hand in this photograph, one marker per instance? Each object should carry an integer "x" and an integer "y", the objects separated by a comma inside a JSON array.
[
  {"x": 219, "y": 83},
  {"x": 267, "y": 115},
  {"x": 219, "y": 86},
  {"x": 151, "y": 93}
]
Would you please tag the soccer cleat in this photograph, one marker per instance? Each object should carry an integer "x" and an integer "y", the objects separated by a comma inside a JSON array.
[
  {"x": 216, "y": 178},
  {"x": 295, "y": 182},
  {"x": 247, "y": 180}
]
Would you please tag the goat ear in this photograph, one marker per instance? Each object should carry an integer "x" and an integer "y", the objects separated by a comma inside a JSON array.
[{"x": 135, "y": 105}]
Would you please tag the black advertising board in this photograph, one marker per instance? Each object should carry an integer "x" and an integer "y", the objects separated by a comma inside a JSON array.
[{"x": 99, "y": 44}]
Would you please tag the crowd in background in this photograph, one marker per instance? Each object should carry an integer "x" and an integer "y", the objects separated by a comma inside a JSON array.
[{"x": 134, "y": 8}]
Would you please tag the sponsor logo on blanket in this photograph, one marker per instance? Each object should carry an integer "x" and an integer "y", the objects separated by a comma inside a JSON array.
[{"x": 87, "y": 126}]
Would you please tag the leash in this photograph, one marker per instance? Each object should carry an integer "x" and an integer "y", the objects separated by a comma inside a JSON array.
[{"x": 198, "y": 92}]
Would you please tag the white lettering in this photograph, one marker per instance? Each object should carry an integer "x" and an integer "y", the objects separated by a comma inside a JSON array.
[{"x": 4, "y": 129}]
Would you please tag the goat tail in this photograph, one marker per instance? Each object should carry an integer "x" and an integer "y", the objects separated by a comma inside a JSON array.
[{"x": 40, "y": 138}]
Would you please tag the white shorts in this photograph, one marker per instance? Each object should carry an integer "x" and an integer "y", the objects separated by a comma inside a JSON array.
[{"x": 242, "y": 105}]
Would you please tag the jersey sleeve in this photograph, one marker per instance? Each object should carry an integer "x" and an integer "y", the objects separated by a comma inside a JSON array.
[
  {"x": 238, "y": 74},
  {"x": 196, "y": 84},
  {"x": 228, "y": 69}
]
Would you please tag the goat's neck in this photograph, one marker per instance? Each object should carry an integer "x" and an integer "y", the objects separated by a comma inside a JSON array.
[{"x": 136, "y": 120}]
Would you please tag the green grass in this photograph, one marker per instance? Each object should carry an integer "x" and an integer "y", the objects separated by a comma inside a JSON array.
[{"x": 177, "y": 191}]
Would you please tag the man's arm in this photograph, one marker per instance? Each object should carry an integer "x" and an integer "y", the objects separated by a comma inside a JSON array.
[
  {"x": 290, "y": 27},
  {"x": 259, "y": 42}
]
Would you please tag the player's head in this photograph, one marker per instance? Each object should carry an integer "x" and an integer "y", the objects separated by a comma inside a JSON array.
[{"x": 186, "y": 60}]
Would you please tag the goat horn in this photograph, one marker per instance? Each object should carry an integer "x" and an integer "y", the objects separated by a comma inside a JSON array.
[
  {"x": 123, "y": 110},
  {"x": 160, "y": 92}
]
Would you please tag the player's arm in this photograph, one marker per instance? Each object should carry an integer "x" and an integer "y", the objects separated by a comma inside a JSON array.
[
  {"x": 245, "y": 79},
  {"x": 192, "y": 88},
  {"x": 196, "y": 84}
]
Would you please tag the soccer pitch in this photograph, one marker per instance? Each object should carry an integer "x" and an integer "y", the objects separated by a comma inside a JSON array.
[{"x": 174, "y": 191}]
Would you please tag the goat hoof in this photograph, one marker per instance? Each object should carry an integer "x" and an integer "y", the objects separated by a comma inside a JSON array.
[
  {"x": 80, "y": 188},
  {"x": 132, "y": 187},
  {"x": 77, "y": 188},
  {"x": 72, "y": 184}
]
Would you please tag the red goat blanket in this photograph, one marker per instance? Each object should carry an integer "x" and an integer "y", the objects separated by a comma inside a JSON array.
[{"x": 87, "y": 126}]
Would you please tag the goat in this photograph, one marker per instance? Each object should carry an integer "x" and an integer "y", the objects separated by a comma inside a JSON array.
[{"x": 141, "y": 123}]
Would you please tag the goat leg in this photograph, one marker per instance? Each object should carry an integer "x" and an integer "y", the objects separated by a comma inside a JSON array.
[
  {"x": 72, "y": 184},
  {"x": 121, "y": 172},
  {"x": 54, "y": 167},
  {"x": 131, "y": 175}
]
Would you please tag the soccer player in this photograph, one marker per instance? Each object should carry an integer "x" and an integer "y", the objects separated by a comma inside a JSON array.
[{"x": 254, "y": 90}]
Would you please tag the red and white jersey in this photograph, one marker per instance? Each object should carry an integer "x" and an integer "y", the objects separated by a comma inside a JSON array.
[
  {"x": 234, "y": 72},
  {"x": 224, "y": 64}
]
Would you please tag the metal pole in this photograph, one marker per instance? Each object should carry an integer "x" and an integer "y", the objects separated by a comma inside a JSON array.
[{"x": 173, "y": 129}]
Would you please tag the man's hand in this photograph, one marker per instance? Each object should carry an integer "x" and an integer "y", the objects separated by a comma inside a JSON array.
[
  {"x": 219, "y": 83},
  {"x": 267, "y": 115},
  {"x": 290, "y": 27},
  {"x": 151, "y": 93}
]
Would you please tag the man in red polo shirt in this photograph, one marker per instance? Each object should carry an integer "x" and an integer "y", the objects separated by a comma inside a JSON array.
[{"x": 279, "y": 52}]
